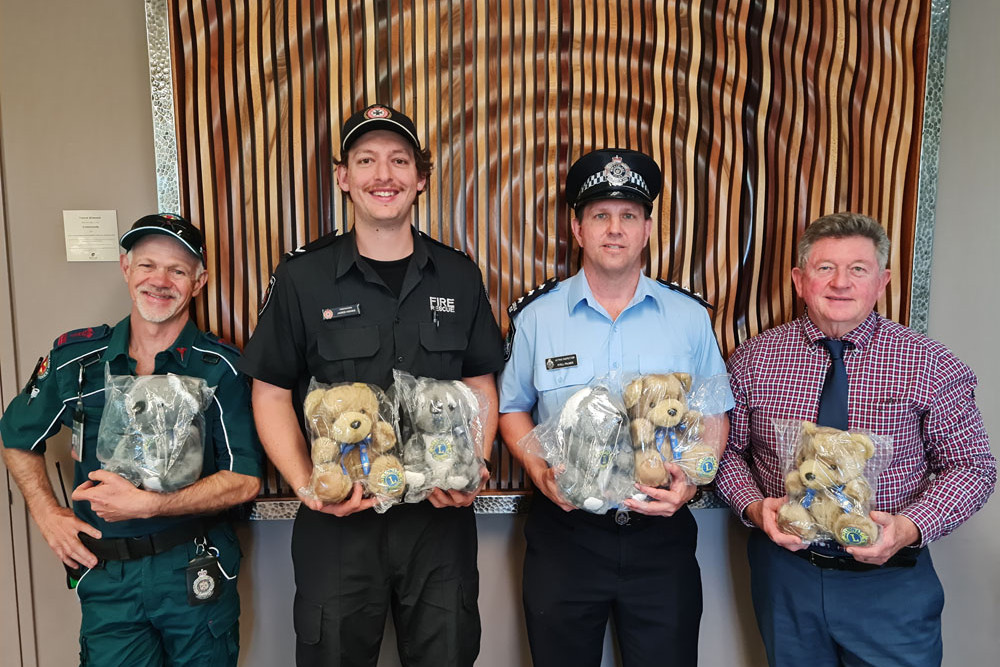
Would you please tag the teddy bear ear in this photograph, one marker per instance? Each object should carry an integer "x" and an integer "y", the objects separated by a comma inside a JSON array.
[
  {"x": 865, "y": 444},
  {"x": 633, "y": 393},
  {"x": 685, "y": 380}
]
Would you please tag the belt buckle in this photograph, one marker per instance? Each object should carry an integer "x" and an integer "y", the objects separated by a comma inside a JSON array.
[
  {"x": 622, "y": 517},
  {"x": 822, "y": 560},
  {"x": 139, "y": 546}
]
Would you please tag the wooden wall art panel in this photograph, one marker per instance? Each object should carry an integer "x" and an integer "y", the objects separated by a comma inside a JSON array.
[{"x": 762, "y": 115}]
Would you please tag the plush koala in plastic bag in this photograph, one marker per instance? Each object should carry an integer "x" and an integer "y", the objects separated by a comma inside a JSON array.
[
  {"x": 152, "y": 429},
  {"x": 445, "y": 449},
  {"x": 588, "y": 444}
]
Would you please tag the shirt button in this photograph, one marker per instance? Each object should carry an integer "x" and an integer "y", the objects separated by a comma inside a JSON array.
[
  {"x": 399, "y": 358},
  {"x": 614, "y": 365}
]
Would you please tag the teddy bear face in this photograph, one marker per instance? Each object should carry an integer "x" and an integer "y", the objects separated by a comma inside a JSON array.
[
  {"x": 829, "y": 457},
  {"x": 661, "y": 399}
]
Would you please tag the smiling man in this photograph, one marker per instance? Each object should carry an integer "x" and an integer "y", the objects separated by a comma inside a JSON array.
[
  {"x": 899, "y": 384},
  {"x": 608, "y": 318},
  {"x": 350, "y": 309},
  {"x": 155, "y": 572}
]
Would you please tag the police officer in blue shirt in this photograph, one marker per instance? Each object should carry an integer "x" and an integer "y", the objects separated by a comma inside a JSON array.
[{"x": 637, "y": 564}]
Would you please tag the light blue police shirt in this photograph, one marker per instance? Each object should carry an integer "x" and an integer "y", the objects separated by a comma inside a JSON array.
[{"x": 565, "y": 339}]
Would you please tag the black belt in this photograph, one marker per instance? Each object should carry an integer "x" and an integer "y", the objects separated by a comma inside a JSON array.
[
  {"x": 905, "y": 557},
  {"x": 130, "y": 548}
]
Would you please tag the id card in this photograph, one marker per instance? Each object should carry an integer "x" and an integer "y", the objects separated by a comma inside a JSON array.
[{"x": 76, "y": 441}]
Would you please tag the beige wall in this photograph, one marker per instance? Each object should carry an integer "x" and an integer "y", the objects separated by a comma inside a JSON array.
[{"x": 75, "y": 132}]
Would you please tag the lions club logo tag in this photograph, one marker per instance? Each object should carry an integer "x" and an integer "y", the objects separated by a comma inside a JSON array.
[
  {"x": 440, "y": 449},
  {"x": 390, "y": 479}
]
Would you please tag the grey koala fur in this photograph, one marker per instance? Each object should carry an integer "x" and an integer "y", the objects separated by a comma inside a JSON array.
[
  {"x": 598, "y": 465},
  {"x": 441, "y": 453},
  {"x": 152, "y": 430}
]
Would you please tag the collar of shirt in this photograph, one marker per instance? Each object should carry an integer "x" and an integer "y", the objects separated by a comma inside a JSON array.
[
  {"x": 858, "y": 337},
  {"x": 180, "y": 349},
  {"x": 578, "y": 292},
  {"x": 348, "y": 257}
]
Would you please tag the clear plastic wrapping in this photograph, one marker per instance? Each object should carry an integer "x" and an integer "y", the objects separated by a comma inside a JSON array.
[
  {"x": 445, "y": 447},
  {"x": 830, "y": 480},
  {"x": 588, "y": 445},
  {"x": 353, "y": 439},
  {"x": 673, "y": 420},
  {"x": 152, "y": 429}
]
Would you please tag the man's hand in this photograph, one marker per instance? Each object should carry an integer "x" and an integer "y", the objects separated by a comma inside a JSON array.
[
  {"x": 114, "y": 498},
  {"x": 665, "y": 502},
  {"x": 897, "y": 532},
  {"x": 60, "y": 528},
  {"x": 544, "y": 479},
  {"x": 764, "y": 513},
  {"x": 453, "y": 498},
  {"x": 356, "y": 502}
]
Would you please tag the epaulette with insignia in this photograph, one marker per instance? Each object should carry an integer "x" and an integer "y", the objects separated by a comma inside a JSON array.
[
  {"x": 221, "y": 342},
  {"x": 433, "y": 240},
  {"x": 694, "y": 295},
  {"x": 80, "y": 335},
  {"x": 515, "y": 307},
  {"x": 321, "y": 242}
]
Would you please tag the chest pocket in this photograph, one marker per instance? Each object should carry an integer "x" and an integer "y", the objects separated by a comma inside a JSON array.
[
  {"x": 560, "y": 378},
  {"x": 444, "y": 348},
  {"x": 341, "y": 349}
]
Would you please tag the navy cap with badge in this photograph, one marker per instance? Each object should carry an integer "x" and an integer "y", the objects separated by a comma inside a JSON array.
[
  {"x": 167, "y": 224},
  {"x": 377, "y": 117},
  {"x": 613, "y": 173}
]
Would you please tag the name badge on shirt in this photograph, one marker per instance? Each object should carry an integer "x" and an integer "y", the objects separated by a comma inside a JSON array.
[
  {"x": 341, "y": 311},
  {"x": 565, "y": 361}
]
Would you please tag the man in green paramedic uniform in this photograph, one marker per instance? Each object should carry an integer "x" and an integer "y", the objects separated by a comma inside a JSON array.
[{"x": 155, "y": 571}]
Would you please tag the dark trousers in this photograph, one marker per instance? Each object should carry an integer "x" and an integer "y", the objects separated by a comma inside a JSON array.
[
  {"x": 580, "y": 569},
  {"x": 415, "y": 560},
  {"x": 827, "y": 618}
]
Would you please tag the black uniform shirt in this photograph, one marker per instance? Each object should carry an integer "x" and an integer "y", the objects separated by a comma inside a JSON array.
[{"x": 328, "y": 315}]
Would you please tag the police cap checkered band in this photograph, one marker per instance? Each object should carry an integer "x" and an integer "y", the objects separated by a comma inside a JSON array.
[
  {"x": 167, "y": 224},
  {"x": 613, "y": 173},
  {"x": 377, "y": 117}
]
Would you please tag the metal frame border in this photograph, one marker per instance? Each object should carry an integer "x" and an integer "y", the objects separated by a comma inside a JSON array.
[{"x": 168, "y": 197}]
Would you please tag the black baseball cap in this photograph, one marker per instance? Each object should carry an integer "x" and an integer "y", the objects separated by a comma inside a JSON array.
[
  {"x": 613, "y": 173},
  {"x": 377, "y": 117},
  {"x": 168, "y": 224}
]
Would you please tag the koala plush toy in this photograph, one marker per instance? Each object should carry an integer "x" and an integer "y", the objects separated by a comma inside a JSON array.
[
  {"x": 352, "y": 443},
  {"x": 152, "y": 429},
  {"x": 589, "y": 445},
  {"x": 445, "y": 449},
  {"x": 827, "y": 490}
]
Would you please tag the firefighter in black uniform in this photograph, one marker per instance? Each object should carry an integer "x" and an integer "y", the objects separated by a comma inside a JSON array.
[{"x": 352, "y": 308}]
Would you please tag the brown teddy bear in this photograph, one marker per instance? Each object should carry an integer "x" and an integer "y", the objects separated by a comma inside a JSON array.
[
  {"x": 827, "y": 491},
  {"x": 351, "y": 443},
  {"x": 664, "y": 428}
]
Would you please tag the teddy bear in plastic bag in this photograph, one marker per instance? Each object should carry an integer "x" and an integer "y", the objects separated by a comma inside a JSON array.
[
  {"x": 353, "y": 440},
  {"x": 445, "y": 450},
  {"x": 152, "y": 429},
  {"x": 588, "y": 444},
  {"x": 667, "y": 426},
  {"x": 830, "y": 486}
]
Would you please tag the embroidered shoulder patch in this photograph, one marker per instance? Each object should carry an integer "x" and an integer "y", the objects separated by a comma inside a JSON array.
[{"x": 80, "y": 335}]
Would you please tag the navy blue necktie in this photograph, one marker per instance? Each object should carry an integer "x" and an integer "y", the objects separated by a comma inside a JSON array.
[{"x": 833, "y": 399}]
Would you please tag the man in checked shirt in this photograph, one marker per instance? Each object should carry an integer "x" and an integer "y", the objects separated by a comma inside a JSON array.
[{"x": 880, "y": 604}]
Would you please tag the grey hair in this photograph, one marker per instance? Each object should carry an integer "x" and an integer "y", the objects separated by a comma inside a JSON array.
[{"x": 844, "y": 225}]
